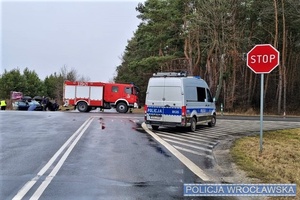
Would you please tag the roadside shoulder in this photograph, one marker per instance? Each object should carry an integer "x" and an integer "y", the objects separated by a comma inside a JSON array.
[{"x": 226, "y": 170}]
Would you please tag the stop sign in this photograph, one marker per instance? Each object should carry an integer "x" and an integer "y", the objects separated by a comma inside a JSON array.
[{"x": 263, "y": 58}]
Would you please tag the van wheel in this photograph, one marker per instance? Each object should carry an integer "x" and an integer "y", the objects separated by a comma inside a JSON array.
[
  {"x": 122, "y": 107},
  {"x": 154, "y": 127},
  {"x": 213, "y": 121},
  {"x": 193, "y": 124},
  {"x": 82, "y": 106}
]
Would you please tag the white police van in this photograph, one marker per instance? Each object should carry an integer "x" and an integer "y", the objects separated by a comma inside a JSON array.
[{"x": 177, "y": 100}]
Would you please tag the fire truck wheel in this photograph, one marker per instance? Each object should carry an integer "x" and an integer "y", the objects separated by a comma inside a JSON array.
[
  {"x": 82, "y": 106},
  {"x": 122, "y": 107},
  {"x": 89, "y": 109}
]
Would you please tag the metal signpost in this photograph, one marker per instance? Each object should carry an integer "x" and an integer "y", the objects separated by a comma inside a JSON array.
[{"x": 262, "y": 59}]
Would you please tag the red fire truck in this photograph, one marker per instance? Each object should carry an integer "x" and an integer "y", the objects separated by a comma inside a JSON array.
[{"x": 91, "y": 95}]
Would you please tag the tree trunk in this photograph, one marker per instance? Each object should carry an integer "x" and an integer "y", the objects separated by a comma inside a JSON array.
[
  {"x": 220, "y": 84},
  {"x": 280, "y": 68},
  {"x": 283, "y": 56}
]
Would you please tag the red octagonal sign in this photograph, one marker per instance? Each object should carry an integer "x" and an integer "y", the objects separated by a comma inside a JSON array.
[{"x": 263, "y": 58}]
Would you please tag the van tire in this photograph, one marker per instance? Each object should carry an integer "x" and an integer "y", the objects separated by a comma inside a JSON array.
[
  {"x": 154, "y": 127},
  {"x": 122, "y": 107},
  {"x": 193, "y": 124},
  {"x": 212, "y": 121},
  {"x": 82, "y": 106}
]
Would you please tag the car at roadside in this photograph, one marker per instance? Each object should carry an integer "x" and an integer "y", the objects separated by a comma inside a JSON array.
[{"x": 32, "y": 105}]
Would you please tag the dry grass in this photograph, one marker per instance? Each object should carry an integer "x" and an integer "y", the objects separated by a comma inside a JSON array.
[
  {"x": 138, "y": 110},
  {"x": 279, "y": 161},
  {"x": 62, "y": 108}
]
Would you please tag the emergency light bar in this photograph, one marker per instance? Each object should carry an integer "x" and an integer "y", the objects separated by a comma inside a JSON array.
[{"x": 170, "y": 74}]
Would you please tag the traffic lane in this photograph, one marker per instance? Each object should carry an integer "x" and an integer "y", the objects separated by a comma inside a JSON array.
[
  {"x": 199, "y": 146},
  {"x": 257, "y": 118},
  {"x": 114, "y": 161},
  {"x": 208, "y": 147},
  {"x": 76, "y": 119},
  {"x": 28, "y": 140},
  {"x": 287, "y": 118}
]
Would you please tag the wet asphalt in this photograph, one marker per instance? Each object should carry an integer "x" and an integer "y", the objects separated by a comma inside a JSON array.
[{"x": 113, "y": 159}]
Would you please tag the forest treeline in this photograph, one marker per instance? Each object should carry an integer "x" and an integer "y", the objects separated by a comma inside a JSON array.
[
  {"x": 212, "y": 38},
  {"x": 29, "y": 83},
  {"x": 209, "y": 39}
]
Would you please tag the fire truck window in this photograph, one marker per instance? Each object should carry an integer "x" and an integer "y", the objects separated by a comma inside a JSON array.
[
  {"x": 115, "y": 88},
  {"x": 128, "y": 90},
  {"x": 135, "y": 90}
]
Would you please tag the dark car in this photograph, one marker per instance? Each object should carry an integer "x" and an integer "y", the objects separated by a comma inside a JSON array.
[{"x": 25, "y": 105}]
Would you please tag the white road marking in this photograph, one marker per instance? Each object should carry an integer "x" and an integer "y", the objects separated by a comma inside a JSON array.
[
  {"x": 188, "y": 139},
  {"x": 189, "y": 145},
  {"x": 187, "y": 162},
  {"x": 193, "y": 152},
  {"x": 201, "y": 135},
  {"x": 49, "y": 178},
  {"x": 24, "y": 190}
]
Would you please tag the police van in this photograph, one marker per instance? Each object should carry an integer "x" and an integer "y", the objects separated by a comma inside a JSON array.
[{"x": 177, "y": 100}]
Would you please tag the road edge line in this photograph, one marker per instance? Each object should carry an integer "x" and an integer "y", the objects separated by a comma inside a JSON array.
[{"x": 187, "y": 162}]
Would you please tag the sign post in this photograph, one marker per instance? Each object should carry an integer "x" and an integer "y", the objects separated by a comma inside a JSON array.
[
  {"x": 262, "y": 59},
  {"x": 261, "y": 112}
]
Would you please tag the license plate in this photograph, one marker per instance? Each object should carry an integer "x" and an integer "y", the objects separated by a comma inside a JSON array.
[{"x": 155, "y": 117}]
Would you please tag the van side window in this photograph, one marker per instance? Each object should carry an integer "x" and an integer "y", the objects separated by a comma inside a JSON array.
[
  {"x": 201, "y": 94},
  {"x": 127, "y": 90},
  {"x": 114, "y": 88},
  {"x": 209, "y": 97},
  {"x": 191, "y": 94}
]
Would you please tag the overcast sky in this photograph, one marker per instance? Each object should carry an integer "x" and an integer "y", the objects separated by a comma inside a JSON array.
[{"x": 89, "y": 36}]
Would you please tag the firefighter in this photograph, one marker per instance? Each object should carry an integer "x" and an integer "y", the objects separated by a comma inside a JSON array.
[
  {"x": 43, "y": 102},
  {"x": 55, "y": 106},
  {"x": 3, "y": 105}
]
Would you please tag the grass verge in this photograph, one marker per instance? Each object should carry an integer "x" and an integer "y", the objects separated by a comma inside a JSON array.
[
  {"x": 279, "y": 161},
  {"x": 63, "y": 108},
  {"x": 138, "y": 110}
]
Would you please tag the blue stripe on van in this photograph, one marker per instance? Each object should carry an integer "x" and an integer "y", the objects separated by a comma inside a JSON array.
[
  {"x": 164, "y": 111},
  {"x": 155, "y": 110},
  {"x": 175, "y": 111},
  {"x": 199, "y": 110},
  {"x": 172, "y": 111}
]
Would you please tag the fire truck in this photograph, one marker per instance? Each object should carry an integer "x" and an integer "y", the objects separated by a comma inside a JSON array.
[{"x": 86, "y": 96}]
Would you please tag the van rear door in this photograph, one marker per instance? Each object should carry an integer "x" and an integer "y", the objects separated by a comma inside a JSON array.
[
  {"x": 154, "y": 101},
  {"x": 164, "y": 100},
  {"x": 173, "y": 100}
]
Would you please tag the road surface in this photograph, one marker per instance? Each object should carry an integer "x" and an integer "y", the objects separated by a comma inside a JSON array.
[{"x": 70, "y": 155}]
